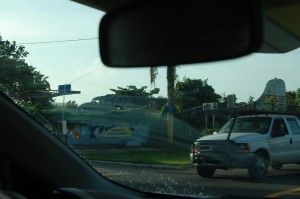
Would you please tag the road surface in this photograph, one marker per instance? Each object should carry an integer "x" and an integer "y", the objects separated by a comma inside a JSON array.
[{"x": 278, "y": 183}]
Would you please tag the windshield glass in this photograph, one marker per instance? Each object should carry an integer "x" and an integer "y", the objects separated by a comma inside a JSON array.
[
  {"x": 226, "y": 127},
  {"x": 135, "y": 126},
  {"x": 251, "y": 125}
]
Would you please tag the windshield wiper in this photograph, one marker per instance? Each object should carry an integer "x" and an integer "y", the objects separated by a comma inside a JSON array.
[{"x": 231, "y": 127}]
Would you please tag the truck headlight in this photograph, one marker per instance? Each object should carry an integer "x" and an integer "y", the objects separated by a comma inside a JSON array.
[
  {"x": 194, "y": 148},
  {"x": 243, "y": 148}
]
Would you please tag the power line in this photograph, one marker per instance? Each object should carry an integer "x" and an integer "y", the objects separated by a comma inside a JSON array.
[
  {"x": 56, "y": 41},
  {"x": 84, "y": 75}
]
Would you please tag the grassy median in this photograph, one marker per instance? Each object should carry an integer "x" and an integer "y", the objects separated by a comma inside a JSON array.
[{"x": 143, "y": 157}]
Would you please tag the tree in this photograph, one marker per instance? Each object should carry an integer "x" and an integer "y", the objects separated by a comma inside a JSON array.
[
  {"x": 190, "y": 94},
  {"x": 153, "y": 74},
  {"x": 297, "y": 99},
  {"x": 134, "y": 91},
  {"x": 71, "y": 105},
  {"x": 193, "y": 93},
  {"x": 18, "y": 79},
  {"x": 223, "y": 102},
  {"x": 171, "y": 77},
  {"x": 251, "y": 99},
  {"x": 292, "y": 102}
]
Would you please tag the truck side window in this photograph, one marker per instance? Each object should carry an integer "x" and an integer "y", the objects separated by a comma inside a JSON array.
[
  {"x": 279, "y": 128},
  {"x": 294, "y": 125}
]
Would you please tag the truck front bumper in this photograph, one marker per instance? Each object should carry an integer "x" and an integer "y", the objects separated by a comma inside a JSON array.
[{"x": 222, "y": 161}]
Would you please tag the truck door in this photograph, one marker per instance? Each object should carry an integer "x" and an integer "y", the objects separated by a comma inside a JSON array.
[
  {"x": 279, "y": 143},
  {"x": 294, "y": 129}
]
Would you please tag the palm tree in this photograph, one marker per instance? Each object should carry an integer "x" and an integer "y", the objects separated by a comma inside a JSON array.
[{"x": 171, "y": 77}]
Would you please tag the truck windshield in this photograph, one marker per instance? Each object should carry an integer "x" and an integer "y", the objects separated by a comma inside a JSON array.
[
  {"x": 226, "y": 127},
  {"x": 251, "y": 125}
]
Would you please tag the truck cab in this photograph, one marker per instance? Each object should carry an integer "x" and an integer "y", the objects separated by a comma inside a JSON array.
[{"x": 253, "y": 141}]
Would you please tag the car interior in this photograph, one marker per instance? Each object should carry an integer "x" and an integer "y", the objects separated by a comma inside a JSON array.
[{"x": 36, "y": 164}]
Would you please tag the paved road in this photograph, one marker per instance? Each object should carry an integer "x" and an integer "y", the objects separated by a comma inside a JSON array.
[{"x": 186, "y": 181}]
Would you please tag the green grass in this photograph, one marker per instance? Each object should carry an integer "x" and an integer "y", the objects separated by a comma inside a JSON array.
[{"x": 143, "y": 157}]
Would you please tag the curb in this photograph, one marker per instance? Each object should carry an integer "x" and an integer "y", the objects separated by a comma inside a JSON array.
[{"x": 154, "y": 166}]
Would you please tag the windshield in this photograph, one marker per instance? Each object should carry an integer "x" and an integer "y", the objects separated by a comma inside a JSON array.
[
  {"x": 135, "y": 126},
  {"x": 251, "y": 125},
  {"x": 226, "y": 127}
]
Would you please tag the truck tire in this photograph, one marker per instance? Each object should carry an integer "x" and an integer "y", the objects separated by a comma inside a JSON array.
[
  {"x": 258, "y": 168},
  {"x": 276, "y": 166},
  {"x": 205, "y": 172}
]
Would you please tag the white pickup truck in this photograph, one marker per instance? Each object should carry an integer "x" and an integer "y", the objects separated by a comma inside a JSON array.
[{"x": 254, "y": 142}]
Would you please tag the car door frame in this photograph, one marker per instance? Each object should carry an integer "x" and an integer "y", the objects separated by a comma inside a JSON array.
[{"x": 280, "y": 146}]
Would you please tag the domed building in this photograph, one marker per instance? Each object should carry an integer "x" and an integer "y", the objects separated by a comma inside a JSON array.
[
  {"x": 120, "y": 102},
  {"x": 273, "y": 97}
]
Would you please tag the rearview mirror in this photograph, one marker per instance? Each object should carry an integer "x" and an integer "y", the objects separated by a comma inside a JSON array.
[{"x": 173, "y": 32}]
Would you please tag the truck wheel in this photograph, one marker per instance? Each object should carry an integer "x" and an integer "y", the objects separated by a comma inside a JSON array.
[
  {"x": 258, "y": 168},
  {"x": 205, "y": 172},
  {"x": 276, "y": 166}
]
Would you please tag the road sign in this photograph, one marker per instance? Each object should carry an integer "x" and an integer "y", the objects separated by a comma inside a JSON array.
[{"x": 64, "y": 89}]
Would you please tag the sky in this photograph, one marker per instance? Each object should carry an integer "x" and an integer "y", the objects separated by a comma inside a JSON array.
[{"x": 78, "y": 62}]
